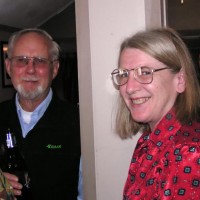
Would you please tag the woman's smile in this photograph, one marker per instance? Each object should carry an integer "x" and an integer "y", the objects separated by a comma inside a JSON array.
[{"x": 140, "y": 100}]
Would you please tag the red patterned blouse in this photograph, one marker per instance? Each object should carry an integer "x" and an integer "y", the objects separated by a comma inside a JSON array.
[{"x": 166, "y": 163}]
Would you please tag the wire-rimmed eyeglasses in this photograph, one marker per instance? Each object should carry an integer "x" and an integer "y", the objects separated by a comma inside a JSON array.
[
  {"x": 141, "y": 74},
  {"x": 22, "y": 61}
]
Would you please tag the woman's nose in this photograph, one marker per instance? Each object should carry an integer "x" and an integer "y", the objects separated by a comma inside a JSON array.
[{"x": 132, "y": 84}]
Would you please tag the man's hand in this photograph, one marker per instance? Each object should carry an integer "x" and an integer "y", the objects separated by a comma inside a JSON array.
[{"x": 13, "y": 180}]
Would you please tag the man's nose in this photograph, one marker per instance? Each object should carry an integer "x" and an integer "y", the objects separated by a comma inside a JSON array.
[{"x": 30, "y": 65}]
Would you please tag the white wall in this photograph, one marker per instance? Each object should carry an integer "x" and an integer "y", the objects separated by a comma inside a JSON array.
[{"x": 101, "y": 26}]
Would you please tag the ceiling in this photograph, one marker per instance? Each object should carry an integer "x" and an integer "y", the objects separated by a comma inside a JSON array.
[{"x": 29, "y": 13}]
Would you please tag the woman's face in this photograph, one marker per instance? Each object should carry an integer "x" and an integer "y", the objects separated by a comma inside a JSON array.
[{"x": 148, "y": 103}]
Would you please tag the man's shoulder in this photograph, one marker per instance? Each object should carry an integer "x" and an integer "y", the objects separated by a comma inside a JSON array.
[
  {"x": 7, "y": 115},
  {"x": 62, "y": 105},
  {"x": 6, "y": 104}
]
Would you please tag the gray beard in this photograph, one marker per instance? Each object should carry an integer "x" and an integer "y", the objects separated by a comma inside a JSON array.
[{"x": 30, "y": 95}]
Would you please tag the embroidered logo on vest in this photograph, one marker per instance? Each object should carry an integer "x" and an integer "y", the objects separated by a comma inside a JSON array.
[{"x": 54, "y": 146}]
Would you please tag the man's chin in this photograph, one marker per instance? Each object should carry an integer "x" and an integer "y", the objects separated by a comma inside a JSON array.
[{"x": 30, "y": 95}]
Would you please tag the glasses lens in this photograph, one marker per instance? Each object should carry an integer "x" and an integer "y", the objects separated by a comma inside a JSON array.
[
  {"x": 40, "y": 62},
  {"x": 120, "y": 76},
  {"x": 20, "y": 61},
  {"x": 143, "y": 74}
]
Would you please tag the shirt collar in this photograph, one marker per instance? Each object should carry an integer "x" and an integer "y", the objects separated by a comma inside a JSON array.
[
  {"x": 41, "y": 107},
  {"x": 167, "y": 128}
]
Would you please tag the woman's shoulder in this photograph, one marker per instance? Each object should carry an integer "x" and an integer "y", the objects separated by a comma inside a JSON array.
[{"x": 188, "y": 135}]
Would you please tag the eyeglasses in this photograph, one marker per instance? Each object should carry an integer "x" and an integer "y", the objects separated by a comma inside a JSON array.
[
  {"x": 22, "y": 61},
  {"x": 141, "y": 74}
]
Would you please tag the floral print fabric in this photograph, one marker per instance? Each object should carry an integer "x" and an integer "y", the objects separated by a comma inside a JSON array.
[
  {"x": 166, "y": 163},
  {"x": 6, "y": 192}
]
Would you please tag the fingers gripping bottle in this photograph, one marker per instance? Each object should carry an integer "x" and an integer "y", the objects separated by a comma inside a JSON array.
[{"x": 6, "y": 190}]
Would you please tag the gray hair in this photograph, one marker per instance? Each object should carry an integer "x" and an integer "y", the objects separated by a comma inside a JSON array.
[{"x": 54, "y": 47}]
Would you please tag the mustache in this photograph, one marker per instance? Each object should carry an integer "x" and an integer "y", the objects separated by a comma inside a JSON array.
[{"x": 29, "y": 79}]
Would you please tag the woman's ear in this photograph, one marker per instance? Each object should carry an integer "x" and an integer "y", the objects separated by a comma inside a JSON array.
[{"x": 181, "y": 82}]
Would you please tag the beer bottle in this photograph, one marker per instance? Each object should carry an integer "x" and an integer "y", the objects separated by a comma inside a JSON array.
[{"x": 16, "y": 165}]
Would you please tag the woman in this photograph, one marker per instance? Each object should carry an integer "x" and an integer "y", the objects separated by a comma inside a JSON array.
[{"x": 160, "y": 96}]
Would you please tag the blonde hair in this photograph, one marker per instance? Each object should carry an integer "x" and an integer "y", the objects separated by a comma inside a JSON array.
[{"x": 166, "y": 46}]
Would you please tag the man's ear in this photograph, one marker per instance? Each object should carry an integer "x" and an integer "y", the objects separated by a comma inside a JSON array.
[
  {"x": 56, "y": 65},
  {"x": 180, "y": 82},
  {"x": 8, "y": 66}
]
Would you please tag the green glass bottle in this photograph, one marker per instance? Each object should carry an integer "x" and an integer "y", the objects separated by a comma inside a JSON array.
[{"x": 16, "y": 165}]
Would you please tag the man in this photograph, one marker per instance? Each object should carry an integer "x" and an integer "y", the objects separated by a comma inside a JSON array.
[{"x": 47, "y": 129}]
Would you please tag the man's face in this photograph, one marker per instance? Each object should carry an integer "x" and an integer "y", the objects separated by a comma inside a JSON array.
[{"x": 32, "y": 80}]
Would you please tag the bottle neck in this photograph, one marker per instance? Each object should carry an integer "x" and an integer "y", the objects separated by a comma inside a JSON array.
[{"x": 11, "y": 140}]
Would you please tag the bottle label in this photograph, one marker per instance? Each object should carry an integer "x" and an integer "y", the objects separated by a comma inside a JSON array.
[{"x": 10, "y": 140}]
